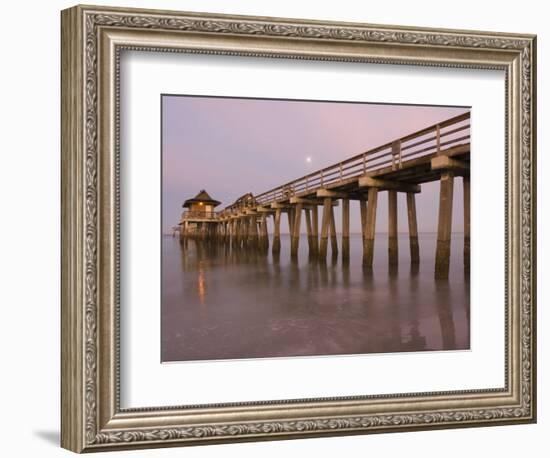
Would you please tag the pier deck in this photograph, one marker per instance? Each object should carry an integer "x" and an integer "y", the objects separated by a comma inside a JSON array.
[{"x": 438, "y": 152}]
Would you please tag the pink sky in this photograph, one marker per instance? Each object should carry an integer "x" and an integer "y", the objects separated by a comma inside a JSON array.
[{"x": 231, "y": 146}]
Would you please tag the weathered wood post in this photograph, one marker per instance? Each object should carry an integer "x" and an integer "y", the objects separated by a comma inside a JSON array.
[
  {"x": 238, "y": 232},
  {"x": 315, "y": 228},
  {"x": 246, "y": 230},
  {"x": 182, "y": 231},
  {"x": 368, "y": 241},
  {"x": 295, "y": 240},
  {"x": 259, "y": 231},
  {"x": 309, "y": 231},
  {"x": 276, "y": 247},
  {"x": 466, "y": 184},
  {"x": 266, "y": 234},
  {"x": 199, "y": 228},
  {"x": 258, "y": 223},
  {"x": 252, "y": 231},
  {"x": 443, "y": 251},
  {"x": 254, "y": 224},
  {"x": 232, "y": 222},
  {"x": 413, "y": 228},
  {"x": 345, "y": 229},
  {"x": 393, "y": 254},
  {"x": 327, "y": 209},
  {"x": 333, "y": 239},
  {"x": 290, "y": 215},
  {"x": 363, "y": 212},
  {"x": 263, "y": 231},
  {"x": 211, "y": 227}
]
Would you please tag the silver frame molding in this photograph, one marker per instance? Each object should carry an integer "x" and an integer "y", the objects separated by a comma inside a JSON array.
[{"x": 92, "y": 40}]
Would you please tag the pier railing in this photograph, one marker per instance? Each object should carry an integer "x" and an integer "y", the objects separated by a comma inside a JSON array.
[
  {"x": 188, "y": 214},
  {"x": 445, "y": 135},
  {"x": 438, "y": 152}
]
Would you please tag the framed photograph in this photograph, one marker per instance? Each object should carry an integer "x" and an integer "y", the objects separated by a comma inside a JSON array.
[{"x": 279, "y": 228}]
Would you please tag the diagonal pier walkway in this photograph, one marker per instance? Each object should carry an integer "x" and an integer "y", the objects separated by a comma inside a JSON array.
[{"x": 440, "y": 152}]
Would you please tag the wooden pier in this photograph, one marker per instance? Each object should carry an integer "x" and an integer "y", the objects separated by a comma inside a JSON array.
[{"x": 440, "y": 152}]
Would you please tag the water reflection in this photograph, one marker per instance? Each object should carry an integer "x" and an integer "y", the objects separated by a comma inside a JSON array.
[{"x": 221, "y": 302}]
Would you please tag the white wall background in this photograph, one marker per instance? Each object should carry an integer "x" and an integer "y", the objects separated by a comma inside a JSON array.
[{"x": 29, "y": 230}]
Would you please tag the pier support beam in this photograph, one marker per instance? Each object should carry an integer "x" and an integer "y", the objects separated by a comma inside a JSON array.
[
  {"x": 290, "y": 215},
  {"x": 243, "y": 231},
  {"x": 333, "y": 239},
  {"x": 345, "y": 229},
  {"x": 363, "y": 210},
  {"x": 253, "y": 231},
  {"x": 466, "y": 184},
  {"x": 413, "y": 228},
  {"x": 234, "y": 232},
  {"x": 295, "y": 241},
  {"x": 276, "y": 247},
  {"x": 263, "y": 232},
  {"x": 309, "y": 230},
  {"x": 393, "y": 254},
  {"x": 315, "y": 229},
  {"x": 182, "y": 231},
  {"x": 368, "y": 240},
  {"x": 327, "y": 210},
  {"x": 443, "y": 251},
  {"x": 247, "y": 231},
  {"x": 238, "y": 232},
  {"x": 201, "y": 229}
]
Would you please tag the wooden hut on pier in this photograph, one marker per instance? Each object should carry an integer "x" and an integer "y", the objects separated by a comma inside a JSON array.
[{"x": 199, "y": 217}]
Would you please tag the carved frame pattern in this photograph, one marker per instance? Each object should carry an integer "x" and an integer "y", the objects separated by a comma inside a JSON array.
[{"x": 90, "y": 21}]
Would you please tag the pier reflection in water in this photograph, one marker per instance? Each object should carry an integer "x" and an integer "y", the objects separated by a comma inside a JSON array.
[{"x": 220, "y": 303}]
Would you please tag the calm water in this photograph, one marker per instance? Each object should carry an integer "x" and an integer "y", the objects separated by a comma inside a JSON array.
[{"x": 218, "y": 304}]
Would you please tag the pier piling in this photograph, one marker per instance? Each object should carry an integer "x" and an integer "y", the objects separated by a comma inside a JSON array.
[
  {"x": 333, "y": 238},
  {"x": 370, "y": 227},
  {"x": 345, "y": 229},
  {"x": 393, "y": 254},
  {"x": 443, "y": 250},
  {"x": 413, "y": 229},
  {"x": 315, "y": 228},
  {"x": 276, "y": 247},
  {"x": 327, "y": 210},
  {"x": 466, "y": 184},
  {"x": 295, "y": 241},
  {"x": 309, "y": 231}
]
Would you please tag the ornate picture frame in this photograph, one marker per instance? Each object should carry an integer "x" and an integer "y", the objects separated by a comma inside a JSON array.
[{"x": 92, "y": 40}]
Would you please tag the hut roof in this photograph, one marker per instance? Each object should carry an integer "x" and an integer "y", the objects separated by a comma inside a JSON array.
[{"x": 203, "y": 197}]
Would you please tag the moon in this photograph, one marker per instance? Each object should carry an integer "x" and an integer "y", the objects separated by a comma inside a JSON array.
[{"x": 308, "y": 159}]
